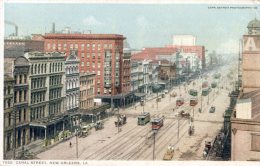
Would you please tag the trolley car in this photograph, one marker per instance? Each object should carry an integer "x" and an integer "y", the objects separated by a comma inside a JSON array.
[
  {"x": 205, "y": 84},
  {"x": 144, "y": 118},
  {"x": 179, "y": 101},
  {"x": 193, "y": 101},
  {"x": 205, "y": 91},
  {"x": 193, "y": 92},
  {"x": 157, "y": 123}
]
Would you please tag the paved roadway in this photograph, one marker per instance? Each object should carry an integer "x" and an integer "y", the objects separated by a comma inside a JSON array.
[{"x": 135, "y": 142}]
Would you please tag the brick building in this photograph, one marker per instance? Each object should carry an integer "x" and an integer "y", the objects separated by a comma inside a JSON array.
[
  {"x": 251, "y": 57},
  {"x": 98, "y": 53}
]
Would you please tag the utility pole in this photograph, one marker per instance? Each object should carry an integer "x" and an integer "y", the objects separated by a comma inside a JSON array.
[
  {"x": 178, "y": 127},
  {"x": 77, "y": 144},
  {"x": 154, "y": 132},
  {"x": 201, "y": 102},
  {"x": 118, "y": 120},
  {"x": 157, "y": 100},
  {"x": 14, "y": 133}
]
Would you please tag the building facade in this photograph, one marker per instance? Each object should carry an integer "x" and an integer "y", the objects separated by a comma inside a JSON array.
[
  {"x": 46, "y": 94},
  {"x": 251, "y": 57},
  {"x": 87, "y": 95},
  {"x": 245, "y": 128},
  {"x": 9, "y": 113}
]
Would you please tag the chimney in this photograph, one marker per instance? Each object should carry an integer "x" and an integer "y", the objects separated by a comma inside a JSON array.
[
  {"x": 16, "y": 30},
  {"x": 53, "y": 27}
]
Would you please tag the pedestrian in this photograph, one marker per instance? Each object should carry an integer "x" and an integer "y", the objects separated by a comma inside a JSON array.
[{"x": 70, "y": 144}]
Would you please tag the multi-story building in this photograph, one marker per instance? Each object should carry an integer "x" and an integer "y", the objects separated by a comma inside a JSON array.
[
  {"x": 87, "y": 82},
  {"x": 245, "y": 120},
  {"x": 21, "y": 88},
  {"x": 72, "y": 87},
  {"x": 245, "y": 128},
  {"x": 46, "y": 93},
  {"x": 134, "y": 76},
  {"x": 251, "y": 57},
  {"x": 9, "y": 114},
  {"x": 98, "y": 53}
]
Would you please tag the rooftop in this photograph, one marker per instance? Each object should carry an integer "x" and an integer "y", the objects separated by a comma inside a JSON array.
[{"x": 83, "y": 36}]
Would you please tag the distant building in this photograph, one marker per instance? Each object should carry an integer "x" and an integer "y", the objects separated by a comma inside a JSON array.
[
  {"x": 183, "y": 40},
  {"x": 245, "y": 120},
  {"x": 251, "y": 57},
  {"x": 72, "y": 86},
  {"x": 9, "y": 114},
  {"x": 101, "y": 54},
  {"x": 87, "y": 83},
  {"x": 46, "y": 94}
]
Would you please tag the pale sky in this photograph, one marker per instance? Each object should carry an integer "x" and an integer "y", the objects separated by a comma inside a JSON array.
[{"x": 144, "y": 25}]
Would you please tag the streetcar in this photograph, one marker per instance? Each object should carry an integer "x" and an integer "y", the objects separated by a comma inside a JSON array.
[
  {"x": 205, "y": 84},
  {"x": 179, "y": 101},
  {"x": 144, "y": 118},
  {"x": 205, "y": 91},
  {"x": 157, "y": 123},
  {"x": 193, "y": 101},
  {"x": 217, "y": 75},
  {"x": 214, "y": 84},
  {"x": 193, "y": 92}
]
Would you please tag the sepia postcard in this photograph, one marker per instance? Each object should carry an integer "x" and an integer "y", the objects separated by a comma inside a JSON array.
[{"x": 130, "y": 82}]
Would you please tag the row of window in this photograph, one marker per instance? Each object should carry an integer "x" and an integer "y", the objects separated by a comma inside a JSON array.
[
  {"x": 87, "y": 55},
  {"x": 56, "y": 80},
  {"x": 20, "y": 79},
  {"x": 37, "y": 113},
  {"x": 8, "y": 103},
  {"x": 37, "y": 97},
  {"x": 38, "y": 83},
  {"x": 7, "y": 90},
  {"x": 54, "y": 108},
  {"x": 20, "y": 96},
  {"x": 72, "y": 69},
  {"x": 74, "y": 83},
  {"x": 87, "y": 82},
  {"x": 38, "y": 68},
  {"x": 83, "y": 46},
  {"x": 20, "y": 117},
  {"x": 87, "y": 103},
  {"x": 55, "y": 93},
  {"x": 88, "y": 64}
]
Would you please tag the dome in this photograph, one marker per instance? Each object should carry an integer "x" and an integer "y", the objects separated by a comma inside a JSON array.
[{"x": 254, "y": 24}]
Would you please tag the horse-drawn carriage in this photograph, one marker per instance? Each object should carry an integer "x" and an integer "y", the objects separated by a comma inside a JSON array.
[
  {"x": 169, "y": 153},
  {"x": 191, "y": 130},
  {"x": 99, "y": 125},
  {"x": 121, "y": 120},
  {"x": 184, "y": 114},
  {"x": 207, "y": 148}
]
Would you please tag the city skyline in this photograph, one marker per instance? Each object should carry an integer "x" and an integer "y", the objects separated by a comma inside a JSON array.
[{"x": 150, "y": 25}]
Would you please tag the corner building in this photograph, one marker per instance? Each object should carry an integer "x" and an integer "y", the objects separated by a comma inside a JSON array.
[{"x": 101, "y": 54}]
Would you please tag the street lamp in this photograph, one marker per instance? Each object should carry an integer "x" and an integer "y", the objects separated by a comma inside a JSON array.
[
  {"x": 154, "y": 133},
  {"x": 77, "y": 155}
]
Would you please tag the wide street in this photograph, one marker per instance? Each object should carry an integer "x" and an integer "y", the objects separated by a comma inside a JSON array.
[{"x": 133, "y": 142}]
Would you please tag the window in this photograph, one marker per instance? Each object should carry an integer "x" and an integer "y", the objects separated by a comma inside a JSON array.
[
  {"x": 76, "y": 46},
  {"x": 49, "y": 46},
  {"x": 98, "y": 72},
  {"x": 88, "y": 45},
  {"x": 65, "y": 46},
  {"x": 82, "y": 64},
  {"x": 93, "y": 64},
  {"x": 71, "y": 46},
  {"x": 20, "y": 79},
  {"x": 82, "y": 55},
  {"x": 59, "y": 46},
  {"x": 99, "y": 47},
  {"x": 98, "y": 64},
  {"x": 255, "y": 142},
  {"x": 88, "y": 55},
  {"x": 93, "y": 47},
  {"x": 99, "y": 55},
  {"x": 93, "y": 55},
  {"x": 53, "y": 46},
  {"x": 105, "y": 46},
  {"x": 87, "y": 63},
  {"x": 24, "y": 97},
  {"x": 110, "y": 46},
  {"x": 82, "y": 47}
]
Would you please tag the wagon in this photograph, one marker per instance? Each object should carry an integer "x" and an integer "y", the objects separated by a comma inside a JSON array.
[{"x": 121, "y": 120}]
